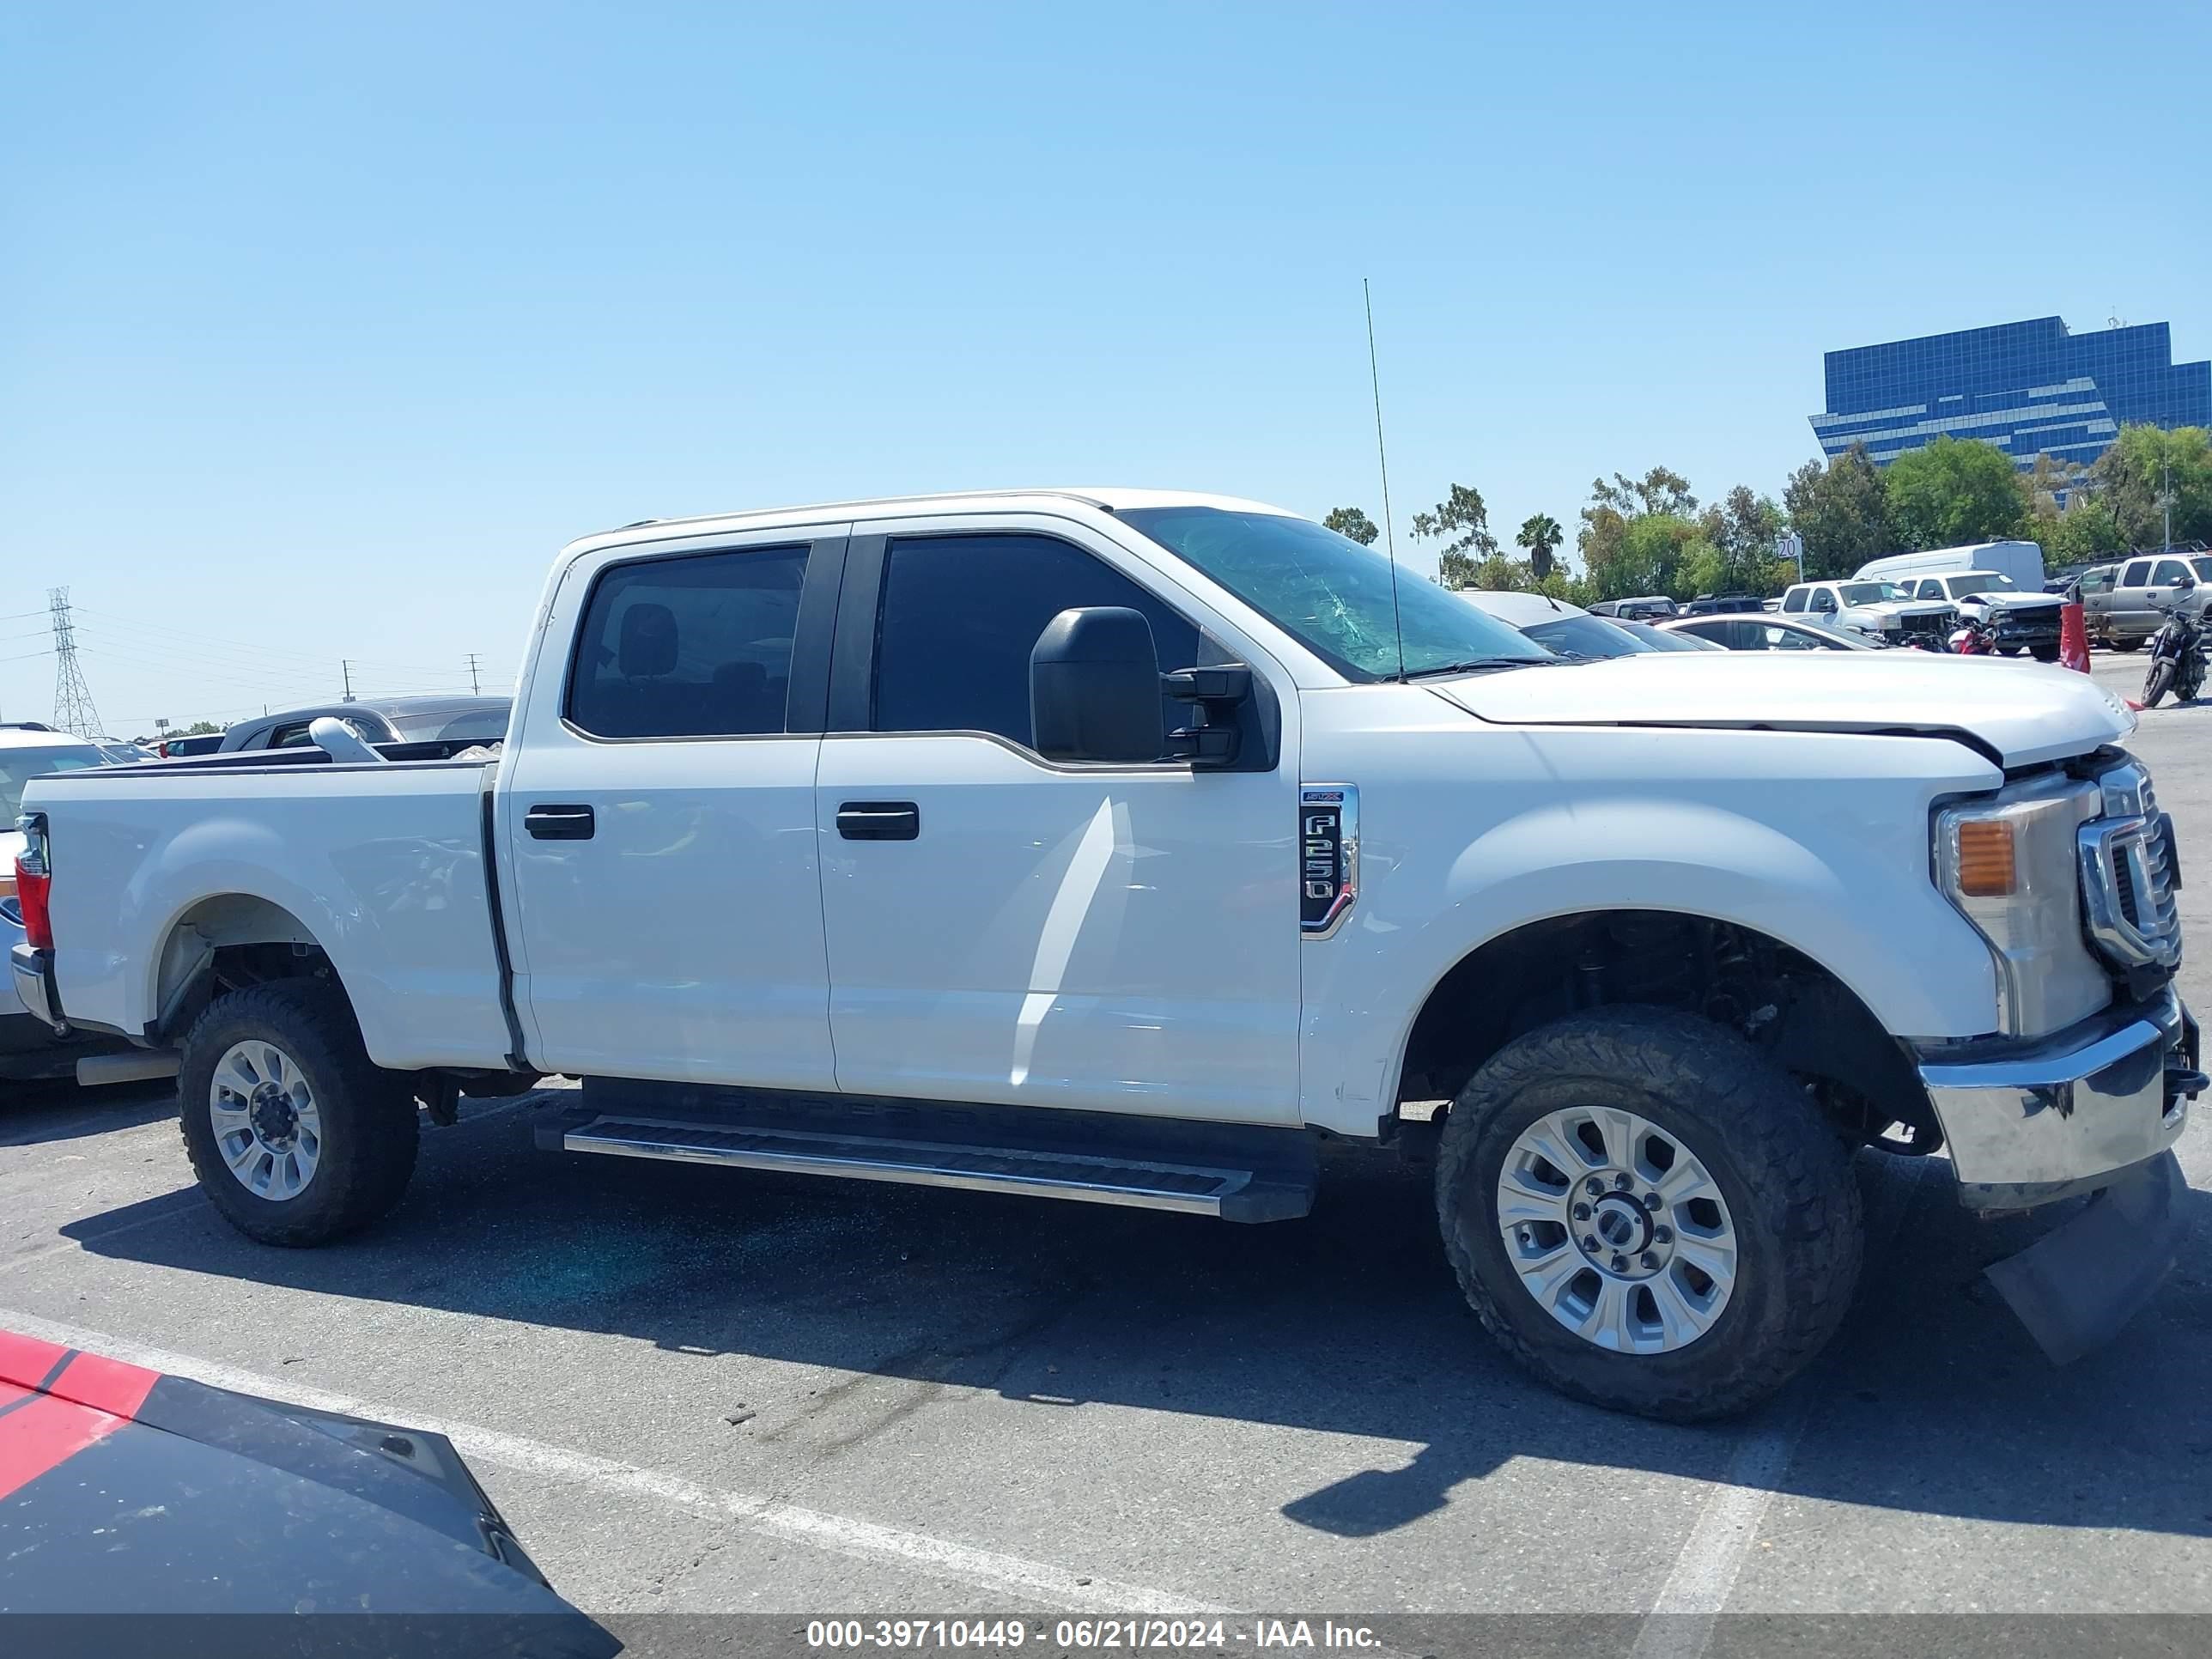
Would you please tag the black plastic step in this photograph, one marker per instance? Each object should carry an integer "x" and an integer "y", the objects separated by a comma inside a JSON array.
[{"x": 1236, "y": 1172}]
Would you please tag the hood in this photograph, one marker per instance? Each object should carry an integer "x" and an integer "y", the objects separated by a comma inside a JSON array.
[
  {"x": 1903, "y": 607},
  {"x": 2014, "y": 601},
  {"x": 2016, "y": 712}
]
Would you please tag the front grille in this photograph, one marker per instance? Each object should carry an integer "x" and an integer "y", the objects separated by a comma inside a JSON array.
[
  {"x": 1930, "y": 624},
  {"x": 2127, "y": 874}
]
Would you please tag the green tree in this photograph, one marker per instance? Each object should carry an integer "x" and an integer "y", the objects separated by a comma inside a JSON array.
[
  {"x": 200, "y": 729},
  {"x": 1613, "y": 506},
  {"x": 1743, "y": 528},
  {"x": 1955, "y": 491},
  {"x": 1657, "y": 554},
  {"x": 1842, "y": 512},
  {"x": 1540, "y": 534},
  {"x": 1462, "y": 516},
  {"x": 1352, "y": 522},
  {"x": 2145, "y": 465}
]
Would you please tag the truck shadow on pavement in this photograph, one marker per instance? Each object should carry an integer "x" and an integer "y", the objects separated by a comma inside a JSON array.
[
  {"x": 1932, "y": 1400},
  {"x": 34, "y": 1114}
]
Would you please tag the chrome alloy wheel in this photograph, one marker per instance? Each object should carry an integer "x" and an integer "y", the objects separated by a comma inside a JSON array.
[
  {"x": 1617, "y": 1229},
  {"x": 266, "y": 1127}
]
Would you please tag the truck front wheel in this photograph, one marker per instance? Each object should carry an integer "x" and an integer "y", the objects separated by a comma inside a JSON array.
[
  {"x": 1648, "y": 1214},
  {"x": 295, "y": 1135}
]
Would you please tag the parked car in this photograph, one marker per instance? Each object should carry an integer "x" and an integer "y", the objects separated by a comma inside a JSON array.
[
  {"x": 1660, "y": 638},
  {"x": 2121, "y": 607},
  {"x": 2018, "y": 620},
  {"x": 1880, "y": 608},
  {"x": 202, "y": 743},
  {"x": 983, "y": 899},
  {"x": 1721, "y": 604},
  {"x": 29, "y": 1049},
  {"x": 379, "y": 719},
  {"x": 1649, "y": 607},
  {"x": 1566, "y": 630},
  {"x": 1765, "y": 632}
]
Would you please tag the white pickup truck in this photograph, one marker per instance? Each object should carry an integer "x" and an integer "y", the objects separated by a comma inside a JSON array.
[{"x": 872, "y": 840}]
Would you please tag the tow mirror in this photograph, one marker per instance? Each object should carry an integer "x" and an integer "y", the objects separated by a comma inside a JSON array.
[{"x": 1094, "y": 687}]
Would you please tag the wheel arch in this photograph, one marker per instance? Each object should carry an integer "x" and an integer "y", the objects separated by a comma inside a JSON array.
[
  {"x": 1790, "y": 1006},
  {"x": 222, "y": 940}
]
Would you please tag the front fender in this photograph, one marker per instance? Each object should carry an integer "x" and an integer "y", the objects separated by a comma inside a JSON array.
[{"x": 1848, "y": 890}]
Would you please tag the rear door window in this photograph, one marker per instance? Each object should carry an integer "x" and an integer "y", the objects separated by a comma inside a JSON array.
[
  {"x": 1795, "y": 601},
  {"x": 695, "y": 646},
  {"x": 2136, "y": 575}
]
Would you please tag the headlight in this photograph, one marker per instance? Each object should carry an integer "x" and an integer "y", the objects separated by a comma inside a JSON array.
[{"x": 2008, "y": 863}]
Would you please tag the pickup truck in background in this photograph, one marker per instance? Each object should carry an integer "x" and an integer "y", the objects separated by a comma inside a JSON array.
[
  {"x": 1123, "y": 846},
  {"x": 1880, "y": 610}
]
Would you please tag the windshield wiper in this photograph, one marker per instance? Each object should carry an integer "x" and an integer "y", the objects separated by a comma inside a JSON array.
[{"x": 1473, "y": 663}]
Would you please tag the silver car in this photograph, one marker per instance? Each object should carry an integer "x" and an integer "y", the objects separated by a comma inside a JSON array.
[{"x": 2118, "y": 600}]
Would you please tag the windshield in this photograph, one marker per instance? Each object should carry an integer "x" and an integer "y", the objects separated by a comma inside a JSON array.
[
  {"x": 19, "y": 766},
  {"x": 1981, "y": 582},
  {"x": 1587, "y": 637},
  {"x": 1871, "y": 592},
  {"x": 443, "y": 725},
  {"x": 1333, "y": 595},
  {"x": 2202, "y": 566}
]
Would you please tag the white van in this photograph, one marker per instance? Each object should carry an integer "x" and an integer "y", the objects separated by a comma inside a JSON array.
[{"x": 2021, "y": 561}]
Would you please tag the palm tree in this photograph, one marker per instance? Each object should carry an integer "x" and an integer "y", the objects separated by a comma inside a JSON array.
[{"x": 1541, "y": 535}]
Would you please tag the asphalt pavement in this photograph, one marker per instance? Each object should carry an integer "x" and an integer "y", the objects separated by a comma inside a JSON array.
[{"x": 699, "y": 1392}]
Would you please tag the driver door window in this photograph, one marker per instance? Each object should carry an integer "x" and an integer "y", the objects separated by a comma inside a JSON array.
[{"x": 960, "y": 614}]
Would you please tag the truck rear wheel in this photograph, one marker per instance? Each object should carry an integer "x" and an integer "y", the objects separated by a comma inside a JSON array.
[
  {"x": 295, "y": 1135},
  {"x": 1647, "y": 1214}
]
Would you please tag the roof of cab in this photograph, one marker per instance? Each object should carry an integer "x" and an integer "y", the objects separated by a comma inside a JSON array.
[
  {"x": 17, "y": 737},
  {"x": 1107, "y": 499}
]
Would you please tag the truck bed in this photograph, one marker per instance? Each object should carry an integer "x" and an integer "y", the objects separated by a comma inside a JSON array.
[{"x": 382, "y": 866}]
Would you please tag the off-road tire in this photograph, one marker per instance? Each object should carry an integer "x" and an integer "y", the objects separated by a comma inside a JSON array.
[
  {"x": 369, "y": 1119},
  {"x": 2161, "y": 681},
  {"x": 1783, "y": 1170}
]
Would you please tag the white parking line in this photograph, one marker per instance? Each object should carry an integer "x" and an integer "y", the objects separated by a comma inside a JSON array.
[
  {"x": 1039, "y": 1581},
  {"x": 1680, "y": 1623}
]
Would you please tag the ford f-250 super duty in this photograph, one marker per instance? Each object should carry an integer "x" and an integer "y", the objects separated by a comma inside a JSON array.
[{"x": 874, "y": 841}]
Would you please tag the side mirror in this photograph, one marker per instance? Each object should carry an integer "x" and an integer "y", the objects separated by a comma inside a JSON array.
[
  {"x": 1094, "y": 687},
  {"x": 2184, "y": 581}
]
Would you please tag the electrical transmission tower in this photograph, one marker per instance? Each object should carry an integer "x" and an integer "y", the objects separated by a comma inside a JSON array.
[{"x": 73, "y": 709}]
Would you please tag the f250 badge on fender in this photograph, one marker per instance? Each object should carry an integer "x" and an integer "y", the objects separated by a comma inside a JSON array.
[{"x": 1329, "y": 857}]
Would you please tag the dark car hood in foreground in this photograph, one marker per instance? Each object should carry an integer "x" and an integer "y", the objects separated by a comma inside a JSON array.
[{"x": 137, "y": 1498}]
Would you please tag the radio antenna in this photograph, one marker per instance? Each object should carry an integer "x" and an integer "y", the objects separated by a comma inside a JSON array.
[{"x": 1382, "y": 460}]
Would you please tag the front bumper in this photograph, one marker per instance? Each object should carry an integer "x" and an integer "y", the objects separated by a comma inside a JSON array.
[{"x": 2034, "y": 1122}]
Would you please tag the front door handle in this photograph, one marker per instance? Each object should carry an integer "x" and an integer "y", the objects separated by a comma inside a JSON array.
[
  {"x": 559, "y": 823},
  {"x": 879, "y": 820}
]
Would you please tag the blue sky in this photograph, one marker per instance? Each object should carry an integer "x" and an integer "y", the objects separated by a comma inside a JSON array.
[{"x": 321, "y": 328}]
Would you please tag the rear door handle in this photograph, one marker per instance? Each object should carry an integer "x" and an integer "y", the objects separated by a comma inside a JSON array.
[
  {"x": 559, "y": 823},
  {"x": 879, "y": 820}
]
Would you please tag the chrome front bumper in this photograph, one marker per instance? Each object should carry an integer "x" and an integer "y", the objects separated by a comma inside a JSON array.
[{"x": 2069, "y": 1113}]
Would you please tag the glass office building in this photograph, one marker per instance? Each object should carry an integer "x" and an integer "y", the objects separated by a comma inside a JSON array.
[{"x": 2030, "y": 388}]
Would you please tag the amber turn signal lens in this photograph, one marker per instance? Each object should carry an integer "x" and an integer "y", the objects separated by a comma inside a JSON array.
[{"x": 1986, "y": 860}]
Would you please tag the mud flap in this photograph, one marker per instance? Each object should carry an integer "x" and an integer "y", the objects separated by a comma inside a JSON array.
[{"x": 2075, "y": 1287}]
